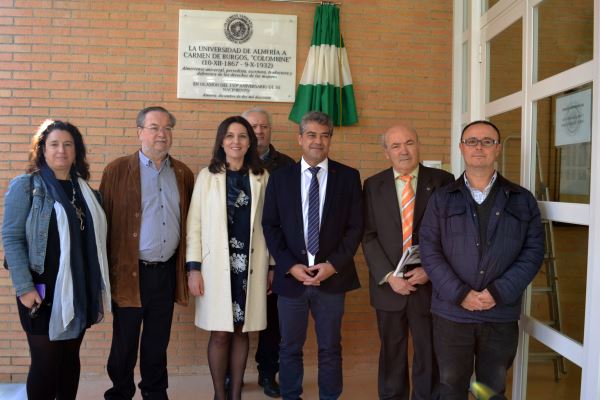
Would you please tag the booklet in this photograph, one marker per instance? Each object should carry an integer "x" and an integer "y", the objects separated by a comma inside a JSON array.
[{"x": 411, "y": 256}]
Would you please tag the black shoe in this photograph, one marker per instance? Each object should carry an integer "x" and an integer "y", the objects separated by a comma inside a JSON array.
[{"x": 270, "y": 386}]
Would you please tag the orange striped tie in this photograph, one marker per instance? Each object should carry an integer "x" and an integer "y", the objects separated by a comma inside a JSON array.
[{"x": 408, "y": 210}]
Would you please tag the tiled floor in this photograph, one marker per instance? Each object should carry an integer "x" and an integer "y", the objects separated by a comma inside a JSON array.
[{"x": 360, "y": 383}]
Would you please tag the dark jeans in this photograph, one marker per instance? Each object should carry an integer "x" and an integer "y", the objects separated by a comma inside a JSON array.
[
  {"x": 54, "y": 369},
  {"x": 267, "y": 352},
  {"x": 491, "y": 346},
  {"x": 157, "y": 291},
  {"x": 327, "y": 311}
]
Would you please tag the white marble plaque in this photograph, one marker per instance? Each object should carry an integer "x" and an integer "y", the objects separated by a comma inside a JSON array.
[{"x": 236, "y": 56}]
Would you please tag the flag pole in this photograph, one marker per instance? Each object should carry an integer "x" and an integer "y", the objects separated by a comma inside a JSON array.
[{"x": 340, "y": 66}]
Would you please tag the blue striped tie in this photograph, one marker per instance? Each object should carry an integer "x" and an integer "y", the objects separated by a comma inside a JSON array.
[{"x": 312, "y": 237}]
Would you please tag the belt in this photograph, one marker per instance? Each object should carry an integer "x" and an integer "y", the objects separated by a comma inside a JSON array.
[{"x": 154, "y": 264}]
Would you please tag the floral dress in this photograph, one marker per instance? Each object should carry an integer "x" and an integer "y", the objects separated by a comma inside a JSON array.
[{"x": 238, "y": 228}]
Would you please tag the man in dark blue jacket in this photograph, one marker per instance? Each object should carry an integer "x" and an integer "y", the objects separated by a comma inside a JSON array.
[{"x": 482, "y": 243}]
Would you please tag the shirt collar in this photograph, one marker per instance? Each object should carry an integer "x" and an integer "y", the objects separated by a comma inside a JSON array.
[
  {"x": 323, "y": 164},
  {"x": 414, "y": 173},
  {"x": 488, "y": 187},
  {"x": 146, "y": 162}
]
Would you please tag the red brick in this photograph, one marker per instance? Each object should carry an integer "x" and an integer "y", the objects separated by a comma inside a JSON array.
[
  {"x": 108, "y": 23},
  {"x": 71, "y": 22},
  {"x": 33, "y": 4},
  {"x": 147, "y": 8},
  {"x": 72, "y": 4},
  {"x": 54, "y": 13},
  {"x": 24, "y": 21},
  {"x": 70, "y": 40},
  {"x": 15, "y": 48},
  {"x": 70, "y": 58},
  {"x": 31, "y": 75}
]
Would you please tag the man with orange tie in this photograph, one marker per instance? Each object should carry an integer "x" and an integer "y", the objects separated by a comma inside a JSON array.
[{"x": 395, "y": 200}]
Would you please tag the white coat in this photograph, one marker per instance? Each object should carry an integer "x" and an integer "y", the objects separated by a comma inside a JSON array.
[{"x": 208, "y": 243}]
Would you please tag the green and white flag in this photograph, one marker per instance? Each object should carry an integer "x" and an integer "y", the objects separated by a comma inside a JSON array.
[{"x": 326, "y": 83}]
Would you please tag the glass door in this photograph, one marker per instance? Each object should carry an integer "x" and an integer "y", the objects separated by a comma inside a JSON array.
[{"x": 531, "y": 67}]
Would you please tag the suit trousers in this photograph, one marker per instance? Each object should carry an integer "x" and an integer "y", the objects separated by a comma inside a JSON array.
[
  {"x": 393, "y": 327},
  {"x": 492, "y": 346},
  {"x": 327, "y": 310},
  {"x": 157, "y": 291},
  {"x": 267, "y": 351}
]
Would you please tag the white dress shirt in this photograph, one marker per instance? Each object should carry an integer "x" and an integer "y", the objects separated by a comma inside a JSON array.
[{"x": 306, "y": 177}]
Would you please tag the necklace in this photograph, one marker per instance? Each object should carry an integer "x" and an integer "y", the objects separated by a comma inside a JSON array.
[{"x": 78, "y": 210}]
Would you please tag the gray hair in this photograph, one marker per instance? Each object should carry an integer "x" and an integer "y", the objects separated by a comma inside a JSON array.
[
  {"x": 257, "y": 110},
  {"x": 316, "y": 116},
  {"x": 141, "y": 117}
]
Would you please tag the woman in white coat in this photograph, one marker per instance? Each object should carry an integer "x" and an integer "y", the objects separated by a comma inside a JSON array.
[{"x": 227, "y": 257}]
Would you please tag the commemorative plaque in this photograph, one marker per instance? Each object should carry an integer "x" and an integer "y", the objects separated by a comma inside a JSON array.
[{"x": 236, "y": 56}]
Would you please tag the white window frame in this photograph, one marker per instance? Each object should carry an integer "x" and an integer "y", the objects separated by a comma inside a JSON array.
[{"x": 482, "y": 28}]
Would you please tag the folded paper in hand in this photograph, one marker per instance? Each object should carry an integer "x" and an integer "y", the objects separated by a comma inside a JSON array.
[{"x": 411, "y": 256}]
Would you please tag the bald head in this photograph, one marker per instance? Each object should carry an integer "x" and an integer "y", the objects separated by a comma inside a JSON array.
[{"x": 401, "y": 147}]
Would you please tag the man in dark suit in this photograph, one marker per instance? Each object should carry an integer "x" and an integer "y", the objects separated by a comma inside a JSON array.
[
  {"x": 400, "y": 302},
  {"x": 312, "y": 221}
]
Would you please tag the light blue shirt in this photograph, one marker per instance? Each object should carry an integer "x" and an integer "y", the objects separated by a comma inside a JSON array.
[
  {"x": 306, "y": 177},
  {"x": 480, "y": 195},
  {"x": 161, "y": 217}
]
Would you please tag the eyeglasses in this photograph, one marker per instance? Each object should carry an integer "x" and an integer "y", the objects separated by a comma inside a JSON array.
[
  {"x": 155, "y": 129},
  {"x": 485, "y": 142}
]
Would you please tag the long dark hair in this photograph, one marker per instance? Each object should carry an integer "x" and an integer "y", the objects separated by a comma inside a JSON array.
[
  {"x": 252, "y": 161},
  {"x": 36, "y": 153}
]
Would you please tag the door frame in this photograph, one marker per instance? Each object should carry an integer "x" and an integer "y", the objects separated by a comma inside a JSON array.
[{"x": 472, "y": 29}]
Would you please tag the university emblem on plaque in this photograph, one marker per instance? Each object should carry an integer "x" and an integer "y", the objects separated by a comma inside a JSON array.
[{"x": 238, "y": 28}]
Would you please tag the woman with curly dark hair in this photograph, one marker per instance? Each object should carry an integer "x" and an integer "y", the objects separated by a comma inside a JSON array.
[
  {"x": 226, "y": 252},
  {"x": 54, "y": 235}
]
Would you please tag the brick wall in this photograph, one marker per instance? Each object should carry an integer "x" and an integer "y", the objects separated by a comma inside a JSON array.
[{"x": 96, "y": 63}]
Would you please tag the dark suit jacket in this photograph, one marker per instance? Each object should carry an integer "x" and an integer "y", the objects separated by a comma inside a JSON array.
[
  {"x": 382, "y": 241},
  {"x": 276, "y": 160},
  {"x": 340, "y": 233}
]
